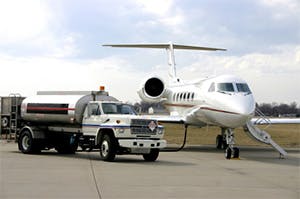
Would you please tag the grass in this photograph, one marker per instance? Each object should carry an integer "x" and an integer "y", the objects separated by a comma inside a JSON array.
[{"x": 286, "y": 135}]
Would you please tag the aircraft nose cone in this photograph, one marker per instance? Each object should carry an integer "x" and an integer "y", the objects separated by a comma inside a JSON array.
[
  {"x": 244, "y": 106},
  {"x": 243, "y": 109},
  {"x": 246, "y": 109}
]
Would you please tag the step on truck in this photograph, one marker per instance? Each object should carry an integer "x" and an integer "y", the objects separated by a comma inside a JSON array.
[{"x": 66, "y": 120}]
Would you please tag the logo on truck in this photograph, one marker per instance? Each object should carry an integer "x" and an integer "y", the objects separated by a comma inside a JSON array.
[{"x": 152, "y": 126}]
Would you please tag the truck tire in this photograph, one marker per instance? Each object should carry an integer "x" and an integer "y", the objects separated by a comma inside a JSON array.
[
  {"x": 152, "y": 156},
  {"x": 27, "y": 144},
  {"x": 4, "y": 122},
  {"x": 107, "y": 148}
]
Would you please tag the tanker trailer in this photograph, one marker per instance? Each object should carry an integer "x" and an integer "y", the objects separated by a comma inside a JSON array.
[{"x": 94, "y": 120}]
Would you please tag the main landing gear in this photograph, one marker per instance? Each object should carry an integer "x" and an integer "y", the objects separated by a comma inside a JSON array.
[{"x": 226, "y": 141}]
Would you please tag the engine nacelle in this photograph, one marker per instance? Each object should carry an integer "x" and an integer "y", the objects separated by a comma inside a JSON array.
[{"x": 152, "y": 90}]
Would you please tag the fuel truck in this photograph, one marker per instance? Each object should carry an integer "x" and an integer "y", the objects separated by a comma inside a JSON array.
[{"x": 64, "y": 120}]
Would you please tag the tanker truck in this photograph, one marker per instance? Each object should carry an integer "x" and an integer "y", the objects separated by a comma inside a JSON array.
[{"x": 64, "y": 120}]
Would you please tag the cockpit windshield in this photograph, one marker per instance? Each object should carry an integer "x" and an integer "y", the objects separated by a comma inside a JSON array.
[
  {"x": 242, "y": 87},
  {"x": 225, "y": 87},
  {"x": 112, "y": 108},
  {"x": 228, "y": 88}
]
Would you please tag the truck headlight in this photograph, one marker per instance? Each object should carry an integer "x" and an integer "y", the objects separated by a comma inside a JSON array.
[{"x": 160, "y": 131}]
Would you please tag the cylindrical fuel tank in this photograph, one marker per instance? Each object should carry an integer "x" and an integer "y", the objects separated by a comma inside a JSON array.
[{"x": 60, "y": 107}]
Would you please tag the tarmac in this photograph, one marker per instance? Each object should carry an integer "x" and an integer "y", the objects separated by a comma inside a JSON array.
[{"x": 195, "y": 172}]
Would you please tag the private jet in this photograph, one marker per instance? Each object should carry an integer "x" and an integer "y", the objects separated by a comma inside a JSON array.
[{"x": 225, "y": 101}]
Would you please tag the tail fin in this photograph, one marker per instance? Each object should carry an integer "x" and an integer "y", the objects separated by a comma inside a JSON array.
[{"x": 170, "y": 49}]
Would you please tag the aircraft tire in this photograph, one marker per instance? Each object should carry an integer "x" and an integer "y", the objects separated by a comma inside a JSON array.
[
  {"x": 219, "y": 141},
  {"x": 236, "y": 152},
  {"x": 228, "y": 153}
]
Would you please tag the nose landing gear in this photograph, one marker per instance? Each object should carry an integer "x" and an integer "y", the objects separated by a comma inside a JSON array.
[{"x": 226, "y": 142}]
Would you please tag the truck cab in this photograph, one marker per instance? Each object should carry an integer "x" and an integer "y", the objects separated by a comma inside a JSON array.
[{"x": 115, "y": 128}]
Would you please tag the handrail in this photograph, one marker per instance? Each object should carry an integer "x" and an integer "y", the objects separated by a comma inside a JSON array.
[{"x": 262, "y": 119}]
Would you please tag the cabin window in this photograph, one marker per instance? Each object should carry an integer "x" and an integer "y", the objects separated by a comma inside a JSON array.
[
  {"x": 225, "y": 87},
  {"x": 177, "y": 98},
  {"x": 183, "y": 96}
]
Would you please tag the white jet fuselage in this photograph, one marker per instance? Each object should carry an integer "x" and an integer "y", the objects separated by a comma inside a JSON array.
[{"x": 224, "y": 101}]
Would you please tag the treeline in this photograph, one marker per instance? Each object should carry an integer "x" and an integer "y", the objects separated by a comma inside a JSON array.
[
  {"x": 268, "y": 109},
  {"x": 279, "y": 110}
]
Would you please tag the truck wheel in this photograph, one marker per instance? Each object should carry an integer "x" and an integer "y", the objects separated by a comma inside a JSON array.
[
  {"x": 4, "y": 122},
  {"x": 152, "y": 156},
  {"x": 26, "y": 143},
  {"x": 107, "y": 148}
]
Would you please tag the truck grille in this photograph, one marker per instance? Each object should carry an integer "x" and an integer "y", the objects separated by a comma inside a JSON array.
[{"x": 143, "y": 127}]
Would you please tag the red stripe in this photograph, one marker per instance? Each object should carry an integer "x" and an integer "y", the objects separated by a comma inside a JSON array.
[
  {"x": 180, "y": 105},
  {"x": 217, "y": 110},
  {"x": 50, "y": 109},
  {"x": 204, "y": 108}
]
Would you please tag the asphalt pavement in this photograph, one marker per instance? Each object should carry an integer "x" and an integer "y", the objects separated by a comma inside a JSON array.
[{"x": 195, "y": 172}]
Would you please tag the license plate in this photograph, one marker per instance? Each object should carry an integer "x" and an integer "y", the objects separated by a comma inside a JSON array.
[{"x": 140, "y": 150}]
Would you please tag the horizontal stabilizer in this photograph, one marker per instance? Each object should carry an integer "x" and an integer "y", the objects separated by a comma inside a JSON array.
[
  {"x": 164, "y": 46},
  {"x": 170, "y": 47}
]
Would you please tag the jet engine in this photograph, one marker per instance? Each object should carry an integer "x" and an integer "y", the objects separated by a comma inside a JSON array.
[{"x": 152, "y": 90}]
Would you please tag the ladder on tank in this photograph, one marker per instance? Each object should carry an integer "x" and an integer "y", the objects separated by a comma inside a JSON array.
[
  {"x": 13, "y": 122},
  {"x": 261, "y": 135}
]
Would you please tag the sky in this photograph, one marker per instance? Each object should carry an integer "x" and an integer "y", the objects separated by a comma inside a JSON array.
[{"x": 57, "y": 45}]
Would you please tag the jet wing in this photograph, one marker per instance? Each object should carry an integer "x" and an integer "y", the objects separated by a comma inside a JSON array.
[
  {"x": 188, "y": 118},
  {"x": 261, "y": 121},
  {"x": 166, "y": 118}
]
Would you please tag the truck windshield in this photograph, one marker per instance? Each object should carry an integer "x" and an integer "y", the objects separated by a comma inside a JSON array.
[{"x": 112, "y": 108}]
